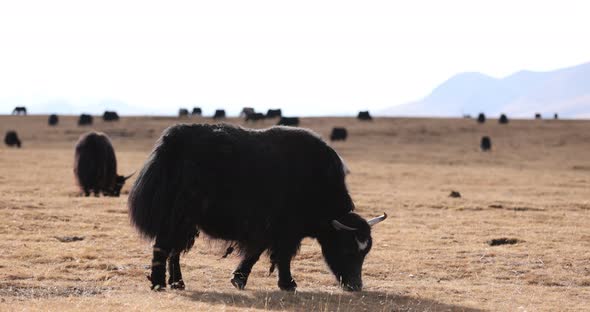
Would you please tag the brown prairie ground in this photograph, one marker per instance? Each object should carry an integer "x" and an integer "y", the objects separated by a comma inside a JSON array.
[{"x": 430, "y": 255}]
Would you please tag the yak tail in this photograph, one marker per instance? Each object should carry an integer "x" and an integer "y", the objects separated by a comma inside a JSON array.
[{"x": 157, "y": 207}]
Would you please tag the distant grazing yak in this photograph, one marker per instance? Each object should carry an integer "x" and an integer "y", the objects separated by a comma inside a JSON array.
[
  {"x": 555, "y": 116},
  {"x": 183, "y": 112},
  {"x": 503, "y": 119},
  {"x": 364, "y": 115},
  {"x": 95, "y": 166},
  {"x": 257, "y": 190},
  {"x": 288, "y": 121},
  {"x": 219, "y": 114},
  {"x": 538, "y": 116},
  {"x": 486, "y": 143},
  {"x": 85, "y": 120},
  {"x": 274, "y": 113},
  {"x": 338, "y": 134},
  {"x": 246, "y": 111},
  {"x": 110, "y": 116},
  {"x": 11, "y": 139},
  {"x": 481, "y": 118},
  {"x": 197, "y": 111},
  {"x": 255, "y": 117},
  {"x": 53, "y": 120},
  {"x": 19, "y": 110}
]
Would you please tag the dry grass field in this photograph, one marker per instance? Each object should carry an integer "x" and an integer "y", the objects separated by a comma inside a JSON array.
[{"x": 431, "y": 254}]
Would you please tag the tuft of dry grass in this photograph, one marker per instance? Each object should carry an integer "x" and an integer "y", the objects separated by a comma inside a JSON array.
[{"x": 431, "y": 254}]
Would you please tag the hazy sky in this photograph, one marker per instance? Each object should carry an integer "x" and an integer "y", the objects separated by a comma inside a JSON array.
[{"x": 308, "y": 57}]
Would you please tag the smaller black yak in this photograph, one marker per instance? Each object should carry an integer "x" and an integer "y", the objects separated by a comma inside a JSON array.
[
  {"x": 338, "y": 134},
  {"x": 274, "y": 113},
  {"x": 110, "y": 116},
  {"x": 19, "y": 110},
  {"x": 247, "y": 111},
  {"x": 503, "y": 119},
  {"x": 486, "y": 143},
  {"x": 53, "y": 120},
  {"x": 538, "y": 116},
  {"x": 219, "y": 114},
  {"x": 288, "y": 121},
  {"x": 555, "y": 116},
  {"x": 197, "y": 111},
  {"x": 95, "y": 166},
  {"x": 11, "y": 139},
  {"x": 255, "y": 117},
  {"x": 85, "y": 120},
  {"x": 183, "y": 112},
  {"x": 364, "y": 115},
  {"x": 481, "y": 118}
]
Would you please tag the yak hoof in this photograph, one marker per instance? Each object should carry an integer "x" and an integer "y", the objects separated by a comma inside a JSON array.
[
  {"x": 158, "y": 287},
  {"x": 177, "y": 285},
  {"x": 239, "y": 281},
  {"x": 288, "y": 286}
]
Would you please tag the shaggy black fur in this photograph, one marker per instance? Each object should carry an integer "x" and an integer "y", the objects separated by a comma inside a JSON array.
[
  {"x": 11, "y": 139},
  {"x": 219, "y": 114},
  {"x": 85, "y": 120},
  {"x": 53, "y": 120},
  {"x": 503, "y": 119},
  {"x": 196, "y": 111},
  {"x": 110, "y": 116},
  {"x": 95, "y": 166},
  {"x": 259, "y": 190},
  {"x": 481, "y": 118},
  {"x": 486, "y": 143}
]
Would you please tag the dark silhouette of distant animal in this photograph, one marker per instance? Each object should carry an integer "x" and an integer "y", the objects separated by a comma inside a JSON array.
[
  {"x": 467, "y": 116},
  {"x": 197, "y": 111},
  {"x": 364, "y": 115},
  {"x": 274, "y": 113},
  {"x": 85, "y": 120},
  {"x": 503, "y": 119},
  {"x": 110, "y": 116},
  {"x": 288, "y": 121},
  {"x": 481, "y": 118},
  {"x": 246, "y": 111},
  {"x": 255, "y": 117},
  {"x": 486, "y": 143},
  {"x": 183, "y": 112},
  {"x": 555, "y": 116},
  {"x": 95, "y": 166},
  {"x": 538, "y": 116},
  {"x": 53, "y": 120},
  {"x": 11, "y": 139},
  {"x": 19, "y": 110},
  {"x": 338, "y": 134},
  {"x": 202, "y": 178},
  {"x": 219, "y": 114}
]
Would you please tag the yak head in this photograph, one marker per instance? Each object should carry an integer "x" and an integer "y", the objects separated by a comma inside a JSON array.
[
  {"x": 119, "y": 182},
  {"x": 346, "y": 246}
]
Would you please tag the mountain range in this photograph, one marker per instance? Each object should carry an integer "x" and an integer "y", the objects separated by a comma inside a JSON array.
[{"x": 564, "y": 91}]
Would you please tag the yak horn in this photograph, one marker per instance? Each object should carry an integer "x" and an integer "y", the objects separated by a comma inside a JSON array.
[
  {"x": 129, "y": 176},
  {"x": 339, "y": 226},
  {"x": 377, "y": 220}
]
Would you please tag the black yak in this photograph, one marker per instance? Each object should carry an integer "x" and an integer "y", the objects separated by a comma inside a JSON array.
[
  {"x": 481, "y": 118},
  {"x": 11, "y": 139},
  {"x": 338, "y": 134},
  {"x": 219, "y": 114},
  {"x": 555, "y": 116},
  {"x": 503, "y": 119},
  {"x": 486, "y": 143},
  {"x": 53, "y": 120},
  {"x": 183, "y": 112},
  {"x": 538, "y": 116},
  {"x": 95, "y": 166},
  {"x": 196, "y": 111},
  {"x": 258, "y": 190},
  {"x": 364, "y": 115},
  {"x": 288, "y": 121},
  {"x": 255, "y": 117},
  {"x": 247, "y": 111},
  {"x": 274, "y": 113},
  {"x": 19, "y": 110},
  {"x": 110, "y": 116},
  {"x": 85, "y": 120}
]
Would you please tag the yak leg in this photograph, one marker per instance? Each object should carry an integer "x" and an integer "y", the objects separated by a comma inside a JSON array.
[
  {"x": 175, "y": 279},
  {"x": 160, "y": 255},
  {"x": 243, "y": 270},
  {"x": 282, "y": 257}
]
